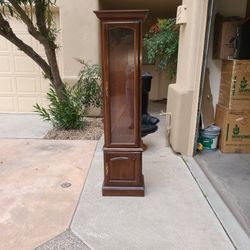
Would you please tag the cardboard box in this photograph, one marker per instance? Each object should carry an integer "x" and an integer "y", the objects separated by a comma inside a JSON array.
[
  {"x": 235, "y": 130},
  {"x": 235, "y": 84},
  {"x": 225, "y": 32}
]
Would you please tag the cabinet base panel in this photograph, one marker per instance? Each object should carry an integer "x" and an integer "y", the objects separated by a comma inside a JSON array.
[{"x": 123, "y": 191}]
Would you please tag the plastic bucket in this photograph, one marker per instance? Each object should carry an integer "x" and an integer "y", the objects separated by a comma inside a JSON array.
[{"x": 209, "y": 137}]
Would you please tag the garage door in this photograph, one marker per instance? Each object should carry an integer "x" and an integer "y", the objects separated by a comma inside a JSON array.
[{"x": 21, "y": 81}]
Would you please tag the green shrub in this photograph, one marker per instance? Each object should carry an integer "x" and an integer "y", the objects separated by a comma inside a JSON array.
[
  {"x": 69, "y": 113},
  {"x": 89, "y": 84},
  {"x": 161, "y": 45},
  {"x": 63, "y": 114}
]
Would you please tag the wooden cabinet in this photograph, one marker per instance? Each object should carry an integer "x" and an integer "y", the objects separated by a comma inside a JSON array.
[
  {"x": 122, "y": 167},
  {"x": 121, "y": 42}
]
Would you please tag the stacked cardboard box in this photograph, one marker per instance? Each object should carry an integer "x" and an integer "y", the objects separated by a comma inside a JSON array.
[
  {"x": 225, "y": 32},
  {"x": 233, "y": 110}
]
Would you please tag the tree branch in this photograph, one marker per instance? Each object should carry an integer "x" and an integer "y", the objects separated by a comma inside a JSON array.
[
  {"x": 25, "y": 18},
  {"x": 40, "y": 17},
  {"x": 50, "y": 47},
  {"x": 6, "y": 31},
  {"x": 42, "y": 34}
]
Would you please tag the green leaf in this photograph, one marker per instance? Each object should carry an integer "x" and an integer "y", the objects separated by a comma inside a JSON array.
[
  {"x": 161, "y": 45},
  {"x": 10, "y": 10}
]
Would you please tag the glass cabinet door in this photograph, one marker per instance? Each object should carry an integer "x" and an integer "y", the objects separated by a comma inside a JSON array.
[{"x": 123, "y": 85}]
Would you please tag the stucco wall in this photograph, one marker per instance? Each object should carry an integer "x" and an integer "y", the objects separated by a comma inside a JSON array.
[
  {"x": 80, "y": 34},
  {"x": 183, "y": 96}
]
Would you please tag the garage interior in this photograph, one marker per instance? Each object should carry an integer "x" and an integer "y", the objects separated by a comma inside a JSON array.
[{"x": 228, "y": 172}]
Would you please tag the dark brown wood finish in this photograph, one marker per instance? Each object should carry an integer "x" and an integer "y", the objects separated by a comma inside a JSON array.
[
  {"x": 123, "y": 168},
  {"x": 124, "y": 15},
  {"x": 248, "y": 9},
  {"x": 121, "y": 39}
]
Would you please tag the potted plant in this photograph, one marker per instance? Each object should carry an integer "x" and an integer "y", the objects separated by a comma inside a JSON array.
[{"x": 161, "y": 45}]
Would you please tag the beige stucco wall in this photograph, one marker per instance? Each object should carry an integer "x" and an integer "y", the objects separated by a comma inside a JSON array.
[
  {"x": 183, "y": 95},
  {"x": 80, "y": 34}
]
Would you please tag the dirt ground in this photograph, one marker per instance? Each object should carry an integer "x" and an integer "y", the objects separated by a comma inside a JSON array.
[{"x": 92, "y": 131}]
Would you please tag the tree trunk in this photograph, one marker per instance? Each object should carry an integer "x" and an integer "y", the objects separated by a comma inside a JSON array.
[
  {"x": 56, "y": 78},
  {"x": 6, "y": 32},
  {"x": 50, "y": 69}
]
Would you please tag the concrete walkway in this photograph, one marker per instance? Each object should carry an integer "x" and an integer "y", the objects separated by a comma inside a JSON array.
[
  {"x": 40, "y": 187},
  {"x": 41, "y": 182},
  {"x": 174, "y": 214},
  {"x": 18, "y": 126}
]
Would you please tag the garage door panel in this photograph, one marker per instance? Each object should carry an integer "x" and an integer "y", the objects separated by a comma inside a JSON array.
[
  {"x": 44, "y": 101},
  {"x": 23, "y": 64},
  {"x": 17, "y": 25},
  {"x": 6, "y": 85},
  {"x": 45, "y": 84},
  {"x": 25, "y": 103},
  {"x": 5, "y": 64},
  {"x": 3, "y": 45},
  {"x": 27, "y": 85},
  {"x": 22, "y": 84},
  {"x": 7, "y": 103}
]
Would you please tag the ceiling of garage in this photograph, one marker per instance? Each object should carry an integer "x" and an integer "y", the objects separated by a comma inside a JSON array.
[{"x": 159, "y": 8}]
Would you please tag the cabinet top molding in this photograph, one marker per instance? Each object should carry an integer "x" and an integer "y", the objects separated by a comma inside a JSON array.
[{"x": 121, "y": 14}]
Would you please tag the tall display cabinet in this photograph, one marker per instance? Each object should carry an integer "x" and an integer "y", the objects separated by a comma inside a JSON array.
[{"x": 121, "y": 42}]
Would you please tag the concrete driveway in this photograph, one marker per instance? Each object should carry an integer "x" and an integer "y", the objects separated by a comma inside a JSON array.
[
  {"x": 174, "y": 214},
  {"x": 40, "y": 184},
  {"x": 23, "y": 126}
]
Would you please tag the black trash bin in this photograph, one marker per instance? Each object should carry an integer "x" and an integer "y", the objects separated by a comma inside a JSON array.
[
  {"x": 146, "y": 87},
  {"x": 148, "y": 122}
]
